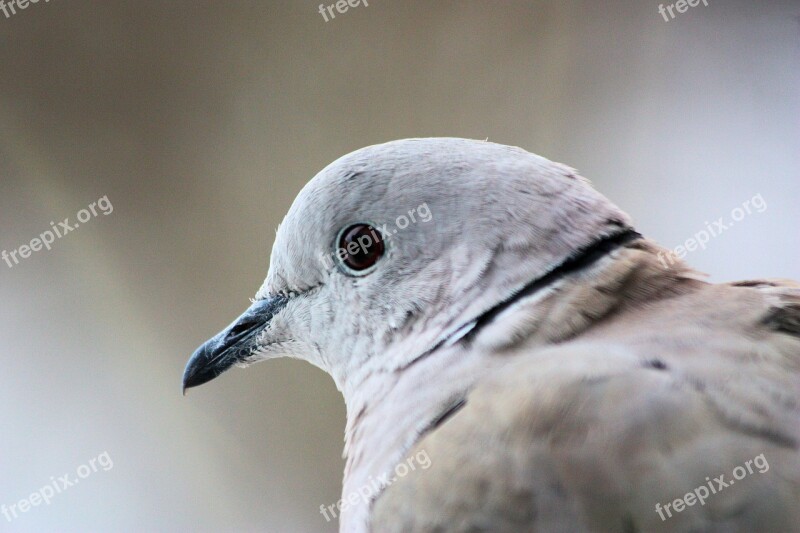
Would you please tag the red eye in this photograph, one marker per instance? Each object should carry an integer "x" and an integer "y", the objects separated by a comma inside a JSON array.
[{"x": 360, "y": 247}]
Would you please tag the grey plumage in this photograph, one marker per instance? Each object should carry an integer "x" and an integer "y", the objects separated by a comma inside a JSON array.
[{"x": 533, "y": 346}]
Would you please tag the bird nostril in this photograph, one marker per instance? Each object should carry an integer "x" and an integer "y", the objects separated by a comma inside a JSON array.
[{"x": 239, "y": 329}]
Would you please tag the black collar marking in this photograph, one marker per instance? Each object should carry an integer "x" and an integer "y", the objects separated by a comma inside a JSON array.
[{"x": 580, "y": 260}]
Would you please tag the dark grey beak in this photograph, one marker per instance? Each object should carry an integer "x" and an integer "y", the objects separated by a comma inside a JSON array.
[{"x": 232, "y": 345}]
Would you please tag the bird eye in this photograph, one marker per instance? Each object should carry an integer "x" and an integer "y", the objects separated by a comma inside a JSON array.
[{"x": 360, "y": 246}]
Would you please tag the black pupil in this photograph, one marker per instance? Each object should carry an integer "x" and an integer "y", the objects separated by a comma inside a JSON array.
[{"x": 360, "y": 246}]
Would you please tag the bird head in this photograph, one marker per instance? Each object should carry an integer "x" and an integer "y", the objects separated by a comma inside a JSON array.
[{"x": 397, "y": 248}]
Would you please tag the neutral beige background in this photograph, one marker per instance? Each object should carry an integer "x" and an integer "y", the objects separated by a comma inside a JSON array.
[{"x": 202, "y": 120}]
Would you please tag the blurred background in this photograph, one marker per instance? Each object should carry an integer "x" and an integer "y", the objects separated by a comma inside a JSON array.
[{"x": 200, "y": 121}]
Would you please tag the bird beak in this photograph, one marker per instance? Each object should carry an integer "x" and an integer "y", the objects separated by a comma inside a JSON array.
[{"x": 232, "y": 345}]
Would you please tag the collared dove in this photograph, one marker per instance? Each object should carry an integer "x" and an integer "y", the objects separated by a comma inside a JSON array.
[{"x": 487, "y": 310}]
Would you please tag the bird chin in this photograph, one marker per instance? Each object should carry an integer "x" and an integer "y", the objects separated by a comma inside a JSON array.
[
  {"x": 262, "y": 353},
  {"x": 275, "y": 350}
]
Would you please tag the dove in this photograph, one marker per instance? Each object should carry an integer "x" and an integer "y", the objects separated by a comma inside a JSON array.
[{"x": 515, "y": 357}]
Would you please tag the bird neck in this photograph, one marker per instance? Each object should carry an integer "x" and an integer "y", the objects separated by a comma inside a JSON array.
[{"x": 387, "y": 414}]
